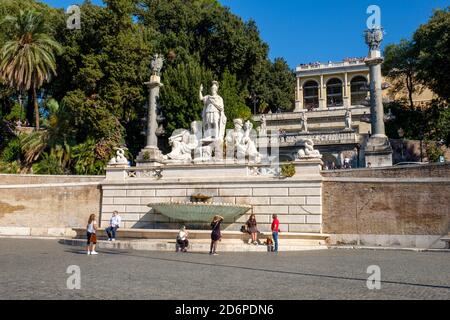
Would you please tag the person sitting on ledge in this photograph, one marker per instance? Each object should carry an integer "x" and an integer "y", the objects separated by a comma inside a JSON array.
[
  {"x": 182, "y": 241},
  {"x": 114, "y": 224},
  {"x": 252, "y": 229}
]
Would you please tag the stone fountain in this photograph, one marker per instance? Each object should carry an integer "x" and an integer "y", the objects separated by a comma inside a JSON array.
[{"x": 213, "y": 171}]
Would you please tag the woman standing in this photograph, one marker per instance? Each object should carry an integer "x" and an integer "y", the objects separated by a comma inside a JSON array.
[
  {"x": 91, "y": 230},
  {"x": 215, "y": 234},
  {"x": 252, "y": 228}
]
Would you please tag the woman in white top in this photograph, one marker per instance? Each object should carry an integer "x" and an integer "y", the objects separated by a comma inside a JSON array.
[
  {"x": 91, "y": 235},
  {"x": 182, "y": 240}
]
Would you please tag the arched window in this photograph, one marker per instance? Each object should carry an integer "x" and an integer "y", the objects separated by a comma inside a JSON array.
[
  {"x": 311, "y": 95},
  {"x": 334, "y": 93},
  {"x": 359, "y": 90}
]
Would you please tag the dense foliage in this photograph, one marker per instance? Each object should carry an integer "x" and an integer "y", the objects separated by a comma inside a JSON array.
[
  {"x": 98, "y": 97},
  {"x": 89, "y": 94},
  {"x": 411, "y": 65}
]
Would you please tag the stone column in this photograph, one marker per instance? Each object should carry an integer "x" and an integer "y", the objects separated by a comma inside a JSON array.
[
  {"x": 346, "y": 91},
  {"x": 151, "y": 155},
  {"x": 299, "y": 97},
  {"x": 378, "y": 149},
  {"x": 153, "y": 87},
  {"x": 322, "y": 94}
]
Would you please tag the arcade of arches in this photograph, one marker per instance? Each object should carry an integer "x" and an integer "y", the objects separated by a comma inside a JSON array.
[{"x": 334, "y": 90}]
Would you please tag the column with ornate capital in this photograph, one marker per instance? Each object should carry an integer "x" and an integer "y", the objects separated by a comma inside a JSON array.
[
  {"x": 378, "y": 151},
  {"x": 150, "y": 154}
]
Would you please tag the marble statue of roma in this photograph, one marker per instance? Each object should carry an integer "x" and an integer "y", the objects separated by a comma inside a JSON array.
[
  {"x": 183, "y": 143},
  {"x": 213, "y": 115}
]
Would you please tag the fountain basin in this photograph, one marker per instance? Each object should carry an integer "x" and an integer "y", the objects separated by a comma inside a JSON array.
[{"x": 199, "y": 212}]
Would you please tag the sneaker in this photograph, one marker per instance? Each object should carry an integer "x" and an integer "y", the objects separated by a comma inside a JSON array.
[
  {"x": 109, "y": 239},
  {"x": 113, "y": 239},
  {"x": 88, "y": 253},
  {"x": 94, "y": 252},
  {"x": 215, "y": 254}
]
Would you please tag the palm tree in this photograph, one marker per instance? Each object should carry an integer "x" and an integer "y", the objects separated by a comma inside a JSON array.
[{"x": 27, "y": 59}]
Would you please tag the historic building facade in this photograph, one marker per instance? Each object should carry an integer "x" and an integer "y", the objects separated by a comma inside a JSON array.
[{"x": 323, "y": 86}]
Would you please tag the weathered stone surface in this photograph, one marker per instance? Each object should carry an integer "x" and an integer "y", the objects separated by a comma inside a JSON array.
[
  {"x": 141, "y": 193},
  {"x": 150, "y": 200},
  {"x": 305, "y": 209},
  {"x": 305, "y": 228},
  {"x": 171, "y": 193},
  {"x": 270, "y": 209},
  {"x": 287, "y": 200},
  {"x": 114, "y": 193},
  {"x": 435, "y": 170},
  {"x": 270, "y": 191},
  {"x": 10, "y": 179},
  {"x": 253, "y": 200},
  {"x": 310, "y": 200},
  {"x": 305, "y": 191},
  {"x": 107, "y": 208},
  {"x": 137, "y": 209},
  {"x": 380, "y": 207},
  {"x": 213, "y": 192},
  {"x": 235, "y": 192},
  {"x": 127, "y": 200},
  {"x": 130, "y": 216},
  {"x": 108, "y": 200},
  {"x": 47, "y": 207},
  {"x": 297, "y": 218},
  {"x": 313, "y": 219}
]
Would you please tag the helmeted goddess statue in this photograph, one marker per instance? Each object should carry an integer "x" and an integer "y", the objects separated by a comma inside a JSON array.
[{"x": 213, "y": 115}]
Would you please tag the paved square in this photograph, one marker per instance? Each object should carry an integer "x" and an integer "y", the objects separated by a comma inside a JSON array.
[{"x": 36, "y": 269}]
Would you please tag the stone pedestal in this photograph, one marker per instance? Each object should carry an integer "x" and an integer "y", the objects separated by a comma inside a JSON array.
[
  {"x": 378, "y": 152},
  {"x": 149, "y": 156}
]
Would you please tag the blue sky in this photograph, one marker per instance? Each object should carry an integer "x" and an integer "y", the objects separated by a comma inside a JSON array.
[{"x": 304, "y": 31}]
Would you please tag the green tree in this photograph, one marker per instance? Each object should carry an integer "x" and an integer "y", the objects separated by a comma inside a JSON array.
[
  {"x": 180, "y": 94},
  {"x": 233, "y": 98},
  {"x": 28, "y": 56},
  {"x": 432, "y": 42},
  {"x": 400, "y": 65}
]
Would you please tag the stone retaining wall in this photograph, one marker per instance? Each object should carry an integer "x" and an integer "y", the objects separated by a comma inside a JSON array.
[
  {"x": 391, "y": 207},
  {"x": 49, "y": 209}
]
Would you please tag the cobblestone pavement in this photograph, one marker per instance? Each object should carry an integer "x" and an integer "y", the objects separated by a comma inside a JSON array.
[{"x": 36, "y": 269}]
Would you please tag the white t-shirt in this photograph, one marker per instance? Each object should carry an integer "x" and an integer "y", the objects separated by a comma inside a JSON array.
[
  {"x": 182, "y": 235},
  {"x": 115, "y": 221},
  {"x": 90, "y": 227}
]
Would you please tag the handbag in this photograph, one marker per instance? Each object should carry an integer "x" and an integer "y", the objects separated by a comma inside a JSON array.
[{"x": 93, "y": 237}]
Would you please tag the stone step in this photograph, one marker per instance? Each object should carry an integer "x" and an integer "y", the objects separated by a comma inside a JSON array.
[
  {"x": 200, "y": 234},
  {"x": 194, "y": 246}
]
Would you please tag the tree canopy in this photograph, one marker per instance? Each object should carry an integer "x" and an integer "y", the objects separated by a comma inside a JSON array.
[{"x": 100, "y": 77}]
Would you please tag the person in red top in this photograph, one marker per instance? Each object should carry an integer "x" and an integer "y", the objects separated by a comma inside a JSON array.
[{"x": 275, "y": 230}]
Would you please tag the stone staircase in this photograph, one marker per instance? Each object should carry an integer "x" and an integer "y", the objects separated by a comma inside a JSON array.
[{"x": 199, "y": 241}]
